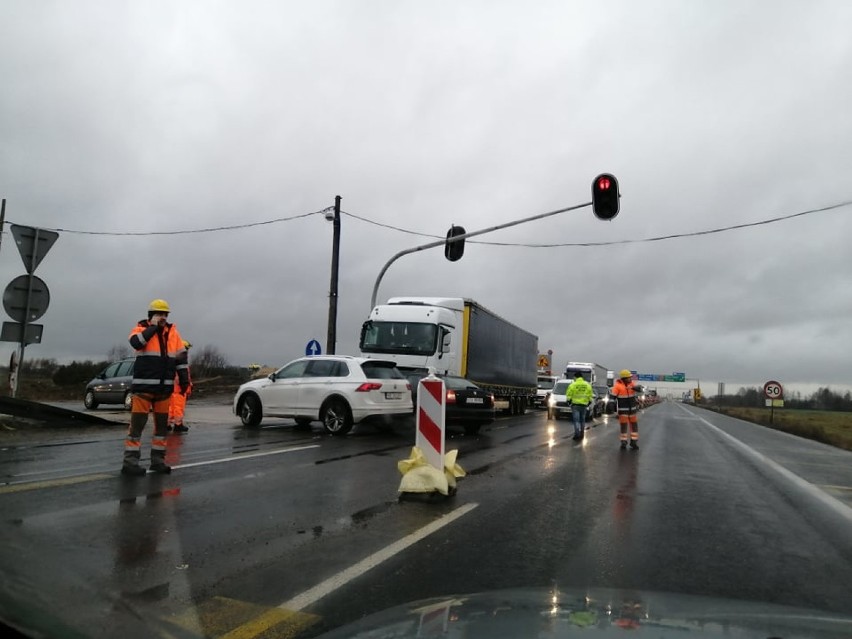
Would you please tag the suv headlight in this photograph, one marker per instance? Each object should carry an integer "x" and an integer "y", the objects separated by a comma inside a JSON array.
[{"x": 551, "y": 400}]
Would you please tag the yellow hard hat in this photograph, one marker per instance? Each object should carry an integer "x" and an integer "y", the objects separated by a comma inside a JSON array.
[
  {"x": 187, "y": 345},
  {"x": 625, "y": 374},
  {"x": 158, "y": 306}
]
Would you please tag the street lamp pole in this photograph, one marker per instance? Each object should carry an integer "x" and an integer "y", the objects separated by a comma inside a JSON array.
[{"x": 332, "y": 295}]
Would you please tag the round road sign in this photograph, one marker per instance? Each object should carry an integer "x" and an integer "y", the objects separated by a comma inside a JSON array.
[
  {"x": 15, "y": 298},
  {"x": 773, "y": 390}
]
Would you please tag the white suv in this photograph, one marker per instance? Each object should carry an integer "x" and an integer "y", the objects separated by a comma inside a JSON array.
[{"x": 337, "y": 390}]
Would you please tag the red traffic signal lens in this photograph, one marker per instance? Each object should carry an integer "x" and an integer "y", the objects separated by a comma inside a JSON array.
[{"x": 605, "y": 196}]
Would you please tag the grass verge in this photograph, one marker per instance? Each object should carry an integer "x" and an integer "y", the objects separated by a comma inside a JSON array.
[{"x": 828, "y": 427}]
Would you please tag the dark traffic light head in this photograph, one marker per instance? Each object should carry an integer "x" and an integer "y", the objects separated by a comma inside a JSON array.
[
  {"x": 605, "y": 196},
  {"x": 454, "y": 250}
]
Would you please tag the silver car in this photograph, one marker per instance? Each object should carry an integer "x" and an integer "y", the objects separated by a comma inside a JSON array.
[{"x": 337, "y": 390}]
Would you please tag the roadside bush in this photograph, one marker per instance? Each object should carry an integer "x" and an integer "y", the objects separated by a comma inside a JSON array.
[{"x": 77, "y": 373}]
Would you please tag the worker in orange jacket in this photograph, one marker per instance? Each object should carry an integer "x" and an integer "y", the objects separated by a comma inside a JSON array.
[
  {"x": 627, "y": 404},
  {"x": 177, "y": 404},
  {"x": 160, "y": 360}
]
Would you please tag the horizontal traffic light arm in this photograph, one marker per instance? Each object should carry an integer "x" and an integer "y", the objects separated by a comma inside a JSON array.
[{"x": 458, "y": 238}]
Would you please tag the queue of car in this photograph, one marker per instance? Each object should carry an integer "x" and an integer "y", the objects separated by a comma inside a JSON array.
[{"x": 341, "y": 391}]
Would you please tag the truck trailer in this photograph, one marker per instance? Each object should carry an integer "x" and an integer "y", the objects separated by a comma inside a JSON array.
[{"x": 455, "y": 336}]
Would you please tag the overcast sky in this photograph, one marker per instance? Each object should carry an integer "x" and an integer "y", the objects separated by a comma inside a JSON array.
[{"x": 163, "y": 116}]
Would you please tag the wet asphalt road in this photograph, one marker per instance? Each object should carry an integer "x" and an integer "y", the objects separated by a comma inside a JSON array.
[{"x": 291, "y": 532}]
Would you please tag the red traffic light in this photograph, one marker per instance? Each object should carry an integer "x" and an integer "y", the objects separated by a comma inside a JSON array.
[{"x": 605, "y": 196}]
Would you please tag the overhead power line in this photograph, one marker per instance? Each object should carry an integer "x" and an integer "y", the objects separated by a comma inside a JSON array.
[
  {"x": 659, "y": 238},
  {"x": 215, "y": 229}
]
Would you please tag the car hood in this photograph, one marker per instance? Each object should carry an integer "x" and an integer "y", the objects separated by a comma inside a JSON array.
[
  {"x": 255, "y": 383},
  {"x": 598, "y": 612}
]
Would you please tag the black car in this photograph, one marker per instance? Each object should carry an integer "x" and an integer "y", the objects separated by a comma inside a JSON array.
[
  {"x": 468, "y": 405},
  {"x": 111, "y": 386},
  {"x": 602, "y": 401}
]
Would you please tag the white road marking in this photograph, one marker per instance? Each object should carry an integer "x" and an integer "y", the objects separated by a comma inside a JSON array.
[
  {"x": 246, "y": 456},
  {"x": 820, "y": 495},
  {"x": 331, "y": 584}
]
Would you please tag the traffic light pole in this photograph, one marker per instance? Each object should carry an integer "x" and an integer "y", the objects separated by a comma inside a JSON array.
[{"x": 459, "y": 238}]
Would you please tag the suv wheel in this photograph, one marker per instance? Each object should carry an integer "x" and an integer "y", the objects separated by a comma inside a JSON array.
[
  {"x": 128, "y": 400},
  {"x": 89, "y": 400},
  {"x": 251, "y": 411},
  {"x": 336, "y": 417}
]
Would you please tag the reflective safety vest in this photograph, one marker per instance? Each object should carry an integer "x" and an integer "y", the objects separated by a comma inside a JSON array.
[
  {"x": 625, "y": 395},
  {"x": 579, "y": 392},
  {"x": 160, "y": 359}
]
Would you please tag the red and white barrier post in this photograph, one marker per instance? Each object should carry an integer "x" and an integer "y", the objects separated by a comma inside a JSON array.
[{"x": 431, "y": 420}]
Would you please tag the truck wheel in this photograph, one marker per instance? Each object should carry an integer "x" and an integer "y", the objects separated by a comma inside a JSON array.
[
  {"x": 523, "y": 405},
  {"x": 303, "y": 423}
]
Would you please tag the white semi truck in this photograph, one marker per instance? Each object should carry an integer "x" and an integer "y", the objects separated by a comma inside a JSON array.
[
  {"x": 593, "y": 373},
  {"x": 455, "y": 336}
]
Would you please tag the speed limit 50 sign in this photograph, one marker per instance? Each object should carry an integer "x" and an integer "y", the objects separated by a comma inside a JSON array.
[{"x": 773, "y": 390}]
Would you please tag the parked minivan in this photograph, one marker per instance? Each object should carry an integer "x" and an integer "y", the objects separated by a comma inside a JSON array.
[{"x": 111, "y": 386}]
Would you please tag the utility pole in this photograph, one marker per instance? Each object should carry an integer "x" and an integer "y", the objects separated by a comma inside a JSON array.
[
  {"x": 2, "y": 217},
  {"x": 331, "y": 341}
]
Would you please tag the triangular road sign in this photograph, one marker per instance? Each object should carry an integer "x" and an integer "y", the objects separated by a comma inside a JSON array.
[{"x": 33, "y": 251}]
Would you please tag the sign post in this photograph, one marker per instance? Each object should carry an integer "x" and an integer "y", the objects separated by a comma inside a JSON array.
[
  {"x": 26, "y": 297},
  {"x": 774, "y": 393}
]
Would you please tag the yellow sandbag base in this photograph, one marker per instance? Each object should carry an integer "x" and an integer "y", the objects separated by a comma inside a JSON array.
[{"x": 419, "y": 476}]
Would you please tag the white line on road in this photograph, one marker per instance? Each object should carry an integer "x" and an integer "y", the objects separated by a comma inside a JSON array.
[
  {"x": 246, "y": 456},
  {"x": 331, "y": 584},
  {"x": 834, "y": 504}
]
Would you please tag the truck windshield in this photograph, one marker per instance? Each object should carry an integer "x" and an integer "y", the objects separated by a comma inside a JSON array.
[
  {"x": 585, "y": 372},
  {"x": 410, "y": 338}
]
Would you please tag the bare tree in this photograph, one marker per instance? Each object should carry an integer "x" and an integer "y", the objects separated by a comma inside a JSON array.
[
  {"x": 119, "y": 351},
  {"x": 207, "y": 360}
]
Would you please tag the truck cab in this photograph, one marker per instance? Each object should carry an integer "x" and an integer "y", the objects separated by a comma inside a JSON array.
[
  {"x": 544, "y": 387},
  {"x": 417, "y": 335}
]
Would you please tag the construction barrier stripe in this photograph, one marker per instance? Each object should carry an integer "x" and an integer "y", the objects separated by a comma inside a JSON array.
[
  {"x": 430, "y": 430},
  {"x": 435, "y": 389}
]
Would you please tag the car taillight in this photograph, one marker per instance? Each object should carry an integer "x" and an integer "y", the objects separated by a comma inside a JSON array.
[
  {"x": 366, "y": 387},
  {"x": 451, "y": 397}
]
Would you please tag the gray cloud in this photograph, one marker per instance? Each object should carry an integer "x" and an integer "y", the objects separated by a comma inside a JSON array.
[{"x": 162, "y": 116}]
